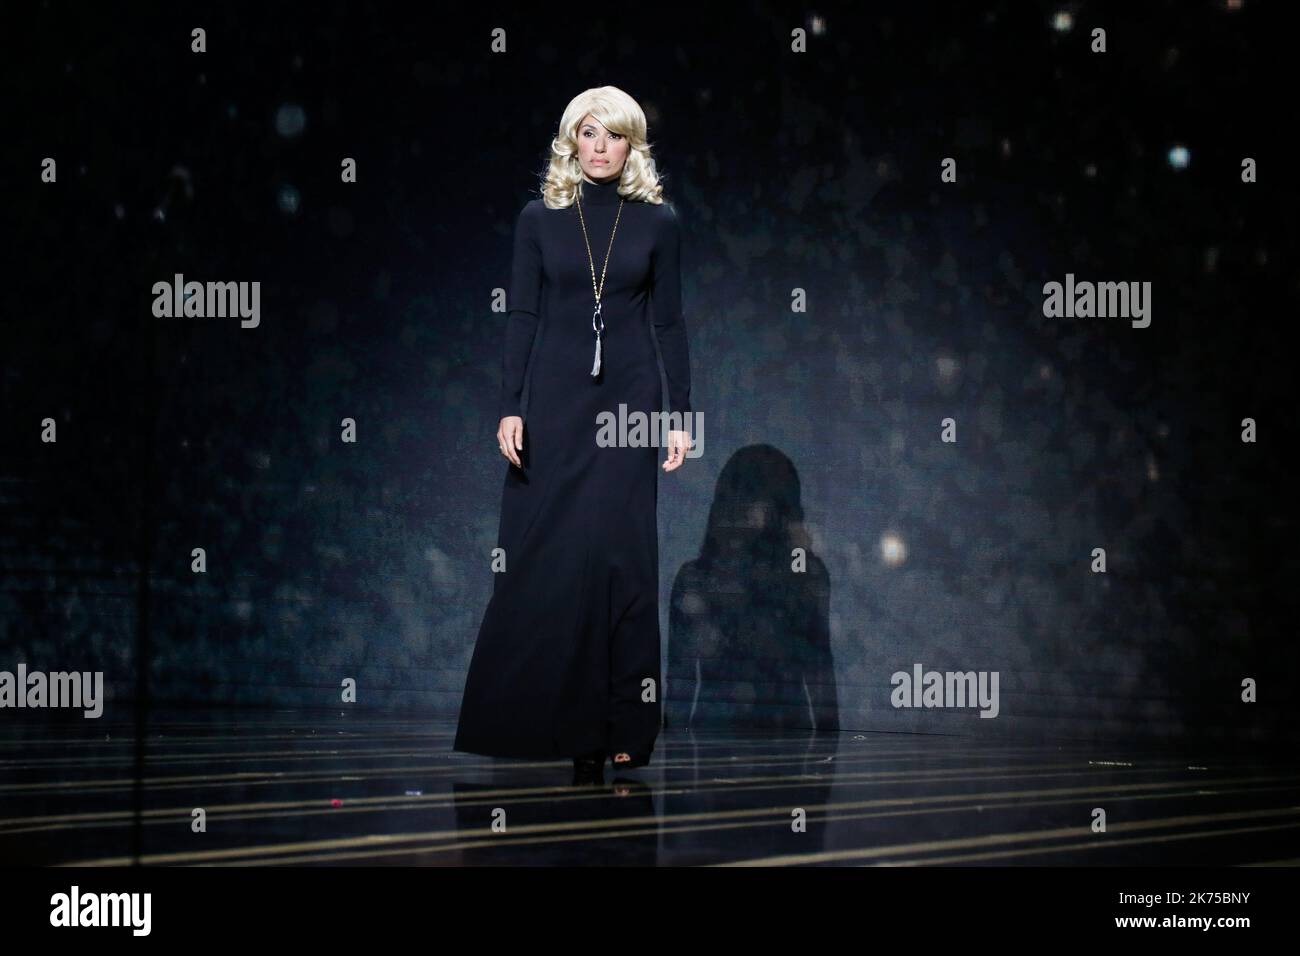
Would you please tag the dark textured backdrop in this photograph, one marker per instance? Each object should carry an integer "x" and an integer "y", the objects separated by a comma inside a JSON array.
[{"x": 817, "y": 171}]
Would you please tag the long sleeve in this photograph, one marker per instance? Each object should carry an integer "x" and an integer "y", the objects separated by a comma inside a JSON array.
[
  {"x": 666, "y": 303},
  {"x": 524, "y": 303}
]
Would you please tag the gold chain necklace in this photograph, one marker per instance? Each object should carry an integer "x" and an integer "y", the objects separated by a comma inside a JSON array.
[{"x": 598, "y": 323}]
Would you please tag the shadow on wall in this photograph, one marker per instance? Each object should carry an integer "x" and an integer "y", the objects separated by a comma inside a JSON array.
[{"x": 749, "y": 621}]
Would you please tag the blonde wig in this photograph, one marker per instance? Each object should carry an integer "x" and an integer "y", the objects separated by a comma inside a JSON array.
[{"x": 620, "y": 114}]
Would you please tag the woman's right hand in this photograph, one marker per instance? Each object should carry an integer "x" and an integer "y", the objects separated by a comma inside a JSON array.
[{"x": 510, "y": 438}]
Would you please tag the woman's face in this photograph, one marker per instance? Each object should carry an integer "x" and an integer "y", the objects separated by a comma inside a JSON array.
[{"x": 600, "y": 152}]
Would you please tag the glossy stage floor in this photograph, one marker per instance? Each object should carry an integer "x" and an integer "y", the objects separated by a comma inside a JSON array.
[{"x": 277, "y": 788}]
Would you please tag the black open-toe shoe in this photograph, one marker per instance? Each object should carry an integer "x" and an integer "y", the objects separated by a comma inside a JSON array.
[
  {"x": 588, "y": 766},
  {"x": 639, "y": 759}
]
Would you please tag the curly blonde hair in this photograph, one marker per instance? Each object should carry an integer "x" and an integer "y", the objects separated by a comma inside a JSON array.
[{"x": 620, "y": 114}]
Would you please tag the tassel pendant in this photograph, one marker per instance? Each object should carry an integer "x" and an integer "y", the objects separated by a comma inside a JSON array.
[{"x": 598, "y": 326}]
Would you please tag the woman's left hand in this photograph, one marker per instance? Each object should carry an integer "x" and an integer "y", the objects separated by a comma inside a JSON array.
[{"x": 678, "y": 444}]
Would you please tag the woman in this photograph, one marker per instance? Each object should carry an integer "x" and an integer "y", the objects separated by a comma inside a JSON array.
[{"x": 567, "y": 657}]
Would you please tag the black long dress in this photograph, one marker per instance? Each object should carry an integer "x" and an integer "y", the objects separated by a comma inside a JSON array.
[{"x": 571, "y": 633}]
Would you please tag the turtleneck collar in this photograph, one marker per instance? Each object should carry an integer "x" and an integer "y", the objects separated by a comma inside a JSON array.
[{"x": 600, "y": 194}]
